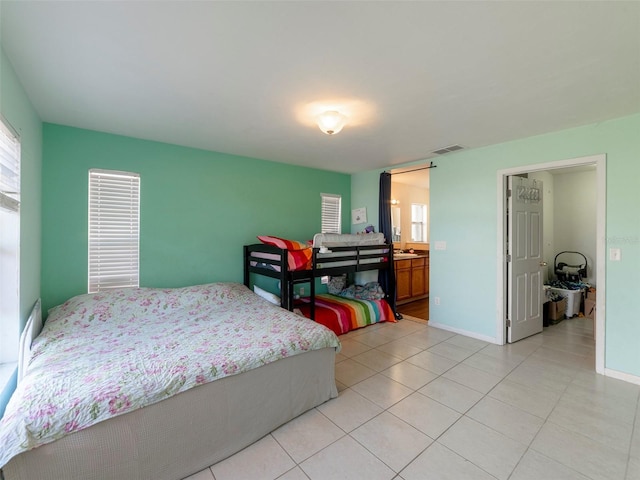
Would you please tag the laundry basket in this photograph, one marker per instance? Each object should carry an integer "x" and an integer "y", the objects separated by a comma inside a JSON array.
[{"x": 574, "y": 299}]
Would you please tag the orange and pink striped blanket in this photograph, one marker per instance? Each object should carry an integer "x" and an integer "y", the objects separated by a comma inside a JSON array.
[{"x": 342, "y": 314}]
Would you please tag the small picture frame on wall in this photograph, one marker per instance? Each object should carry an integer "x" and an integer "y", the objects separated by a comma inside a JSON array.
[{"x": 359, "y": 215}]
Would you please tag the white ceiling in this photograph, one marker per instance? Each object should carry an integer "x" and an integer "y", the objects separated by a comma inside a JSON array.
[{"x": 246, "y": 77}]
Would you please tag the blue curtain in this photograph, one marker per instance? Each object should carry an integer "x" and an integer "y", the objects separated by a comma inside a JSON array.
[{"x": 387, "y": 279}]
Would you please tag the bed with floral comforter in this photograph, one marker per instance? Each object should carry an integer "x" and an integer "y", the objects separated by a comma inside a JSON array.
[{"x": 106, "y": 354}]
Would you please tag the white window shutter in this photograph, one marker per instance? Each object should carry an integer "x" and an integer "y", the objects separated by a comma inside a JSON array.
[
  {"x": 114, "y": 229},
  {"x": 331, "y": 213},
  {"x": 9, "y": 243},
  {"x": 9, "y": 170}
]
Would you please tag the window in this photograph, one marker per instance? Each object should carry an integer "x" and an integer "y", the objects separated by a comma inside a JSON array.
[
  {"x": 418, "y": 222},
  {"x": 9, "y": 244},
  {"x": 331, "y": 213},
  {"x": 114, "y": 229}
]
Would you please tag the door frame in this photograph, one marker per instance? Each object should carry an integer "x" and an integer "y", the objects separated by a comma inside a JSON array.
[{"x": 600, "y": 162}]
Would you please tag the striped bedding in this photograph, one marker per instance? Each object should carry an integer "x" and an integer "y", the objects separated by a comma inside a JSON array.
[{"x": 342, "y": 314}]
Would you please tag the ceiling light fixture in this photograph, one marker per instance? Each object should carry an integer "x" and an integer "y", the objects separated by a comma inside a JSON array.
[{"x": 331, "y": 121}]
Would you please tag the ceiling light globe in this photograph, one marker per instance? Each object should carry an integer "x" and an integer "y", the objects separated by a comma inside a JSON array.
[{"x": 331, "y": 122}]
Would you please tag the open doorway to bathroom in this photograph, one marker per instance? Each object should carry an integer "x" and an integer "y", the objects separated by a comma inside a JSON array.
[{"x": 410, "y": 223}]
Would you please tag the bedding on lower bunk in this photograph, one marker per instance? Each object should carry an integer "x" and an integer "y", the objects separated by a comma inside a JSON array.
[
  {"x": 342, "y": 314},
  {"x": 106, "y": 354}
]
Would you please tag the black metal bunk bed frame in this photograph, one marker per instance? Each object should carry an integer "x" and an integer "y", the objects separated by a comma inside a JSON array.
[{"x": 320, "y": 267}]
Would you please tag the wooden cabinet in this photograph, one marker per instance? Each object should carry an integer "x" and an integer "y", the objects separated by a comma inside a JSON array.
[
  {"x": 403, "y": 279},
  {"x": 417, "y": 277},
  {"x": 426, "y": 275},
  {"x": 412, "y": 279}
]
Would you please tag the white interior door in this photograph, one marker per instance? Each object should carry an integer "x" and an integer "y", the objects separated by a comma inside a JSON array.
[{"x": 524, "y": 258}]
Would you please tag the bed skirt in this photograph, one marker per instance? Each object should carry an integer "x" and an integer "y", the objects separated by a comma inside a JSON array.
[{"x": 188, "y": 432}]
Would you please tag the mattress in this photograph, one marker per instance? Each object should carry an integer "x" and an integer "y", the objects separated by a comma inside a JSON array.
[
  {"x": 347, "y": 239},
  {"x": 326, "y": 241}
]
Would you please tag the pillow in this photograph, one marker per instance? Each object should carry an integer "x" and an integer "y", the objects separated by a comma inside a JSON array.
[
  {"x": 268, "y": 296},
  {"x": 337, "y": 284},
  {"x": 371, "y": 291},
  {"x": 299, "y": 254},
  {"x": 282, "y": 243}
]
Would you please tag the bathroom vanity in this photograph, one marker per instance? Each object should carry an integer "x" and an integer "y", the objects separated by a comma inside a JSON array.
[{"x": 412, "y": 276}]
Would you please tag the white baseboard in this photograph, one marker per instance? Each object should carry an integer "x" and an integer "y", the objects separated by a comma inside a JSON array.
[
  {"x": 627, "y": 377},
  {"x": 460, "y": 331}
]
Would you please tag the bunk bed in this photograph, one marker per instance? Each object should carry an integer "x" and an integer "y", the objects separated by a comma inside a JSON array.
[{"x": 331, "y": 255}]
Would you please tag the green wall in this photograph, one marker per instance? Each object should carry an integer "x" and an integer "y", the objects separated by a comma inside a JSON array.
[
  {"x": 198, "y": 208},
  {"x": 17, "y": 110},
  {"x": 463, "y": 208},
  {"x": 364, "y": 193}
]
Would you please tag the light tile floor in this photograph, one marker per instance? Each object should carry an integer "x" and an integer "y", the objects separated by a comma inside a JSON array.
[{"x": 417, "y": 402}]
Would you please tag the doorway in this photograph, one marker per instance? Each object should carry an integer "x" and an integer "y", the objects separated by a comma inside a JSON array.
[
  {"x": 410, "y": 225},
  {"x": 600, "y": 193}
]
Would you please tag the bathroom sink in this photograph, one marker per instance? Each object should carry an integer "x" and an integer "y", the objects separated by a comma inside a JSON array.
[{"x": 400, "y": 256}]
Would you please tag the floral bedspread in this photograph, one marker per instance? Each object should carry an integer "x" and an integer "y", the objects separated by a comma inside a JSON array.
[{"x": 109, "y": 353}]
